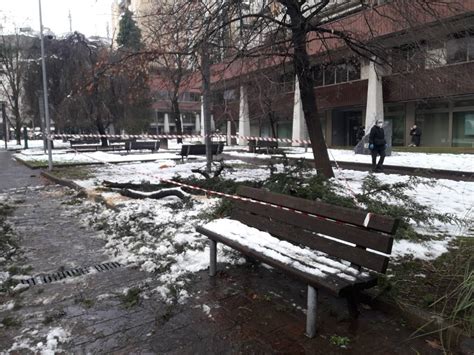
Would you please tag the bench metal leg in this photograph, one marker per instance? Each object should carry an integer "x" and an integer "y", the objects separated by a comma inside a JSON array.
[
  {"x": 213, "y": 255},
  {"x": 311, "y": 313},
  {"x": 352, "y": 304}
]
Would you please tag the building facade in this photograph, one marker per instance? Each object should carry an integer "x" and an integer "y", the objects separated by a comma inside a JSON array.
[{"x": 425, "y": 76}]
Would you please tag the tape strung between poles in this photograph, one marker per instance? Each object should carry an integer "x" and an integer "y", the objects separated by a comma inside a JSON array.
[{"x": 232, "y": 197}]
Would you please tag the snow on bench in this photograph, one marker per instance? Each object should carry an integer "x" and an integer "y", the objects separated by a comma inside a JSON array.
[
  {"x": 337, "y": 249},
  {"x": 301, "y": 258}
]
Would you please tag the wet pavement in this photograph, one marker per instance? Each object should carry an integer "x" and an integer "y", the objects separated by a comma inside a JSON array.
[{"x": 244, "y": 309}]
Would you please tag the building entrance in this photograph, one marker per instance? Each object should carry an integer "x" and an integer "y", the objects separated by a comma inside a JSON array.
[{"x": 345, "y": 125}]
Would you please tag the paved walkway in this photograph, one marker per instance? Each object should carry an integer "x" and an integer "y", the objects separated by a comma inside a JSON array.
[{"x": 243, "y": 310}]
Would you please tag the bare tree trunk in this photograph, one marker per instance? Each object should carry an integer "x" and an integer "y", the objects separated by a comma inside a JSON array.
[
  {"x": 16, "y": 113},
  {"x": 101, "y": 129},
  {"x": 176, "y": 116},
  {"x": 308, "y": 98}
]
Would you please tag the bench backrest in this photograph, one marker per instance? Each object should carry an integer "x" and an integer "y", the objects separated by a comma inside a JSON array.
[
  {"x": 341, "y": 232},
  {"x": 200, "y": 149},
  {"x": 155, "y": 145},
  {"x": 84, "y": 141}
]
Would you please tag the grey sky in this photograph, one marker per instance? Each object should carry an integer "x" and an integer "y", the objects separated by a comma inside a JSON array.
[{"x": 88, "y": 16}]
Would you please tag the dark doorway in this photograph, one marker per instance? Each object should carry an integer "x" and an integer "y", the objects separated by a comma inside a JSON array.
[{"x": 345, "y": 125}]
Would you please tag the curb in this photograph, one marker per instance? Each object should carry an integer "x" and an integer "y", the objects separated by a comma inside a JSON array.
[{"x": 71, "y": 184}]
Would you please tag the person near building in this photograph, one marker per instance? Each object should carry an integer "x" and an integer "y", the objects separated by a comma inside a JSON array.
[
  {"x": 377, "y": 145},
  {"x": 415, "y": 133}
]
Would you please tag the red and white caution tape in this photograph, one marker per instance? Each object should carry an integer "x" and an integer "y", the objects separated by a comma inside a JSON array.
[
  {"x": 233, "y": 197},
  {"x": 176, "y": 136}
]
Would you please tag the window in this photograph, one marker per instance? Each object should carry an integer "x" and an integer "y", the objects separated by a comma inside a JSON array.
[
  {"x": 460, "y": 47},
  {"x": 408, "y": 57},
  {"x": 188, "y": 119},
  {"x": 160, "y": 117},
  {"x": 341, "y": 73},
  {"x": 161, "y": 95},
  {"x": 229, "y": 95},
  {"x": 190, "y": 96},
  {"x": 328, "y": 74},
  {"x": 353, "y": 70},
  {"x": 318, "y": 75},
  {"x": 463, "y": 129}
]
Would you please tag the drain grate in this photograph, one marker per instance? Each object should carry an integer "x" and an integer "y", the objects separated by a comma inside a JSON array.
[{"x": 57, "y": 276}]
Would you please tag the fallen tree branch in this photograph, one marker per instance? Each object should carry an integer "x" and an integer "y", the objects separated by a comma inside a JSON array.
[
  {"x": 154, "y": 195},
  {"x": 145, "y": 186}
]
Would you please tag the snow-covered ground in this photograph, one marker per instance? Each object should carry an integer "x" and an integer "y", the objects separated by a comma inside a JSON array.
[
  {"x": 457, "y": 162},
  {"x": 445, "y": 196},
  {"x": 159, "y": 235}
]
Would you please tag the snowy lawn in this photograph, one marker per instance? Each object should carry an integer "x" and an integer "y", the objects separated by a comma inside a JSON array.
[
  {"x": 159, "y": 235},
  {"x": 457, "y": 162}
]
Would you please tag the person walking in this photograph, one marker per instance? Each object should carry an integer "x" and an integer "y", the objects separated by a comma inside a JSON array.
[
  {"x": 415, "y": 133},
  {"x": 377, "y": 145}
]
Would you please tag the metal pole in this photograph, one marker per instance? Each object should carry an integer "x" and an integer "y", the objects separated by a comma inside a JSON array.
[
  {"x": 45, "y": 93},
  {"x": 213, "y": 257},
  {"x": 311, "y": 312},
  {"x": 5, "y": 125},
  {"x": 41, "y": 113},
  {"x": 206, "y": 78}
]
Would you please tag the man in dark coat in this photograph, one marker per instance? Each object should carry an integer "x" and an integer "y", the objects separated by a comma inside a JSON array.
[
  {"x": 415, "y": 133},
  {"x": 377, "y": 145}
]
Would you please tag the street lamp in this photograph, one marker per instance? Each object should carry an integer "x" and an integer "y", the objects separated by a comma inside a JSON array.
[
  {"x": 45, "y": 93},
  {"x": 5, "y": 124}
]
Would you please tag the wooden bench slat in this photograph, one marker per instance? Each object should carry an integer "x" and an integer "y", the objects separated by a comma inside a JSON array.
[
  {"x": 200, "y": 149},
  {"x": 348, "y": 215},
  {"x": 345, "y": 232},
  {"x": 336, "y": 286},
  {"x": 358, "y": 256}
]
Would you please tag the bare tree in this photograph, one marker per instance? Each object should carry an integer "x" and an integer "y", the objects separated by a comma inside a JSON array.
[
  {"x": 15, "y": 53},
  {"x": 169, "y": 38}
]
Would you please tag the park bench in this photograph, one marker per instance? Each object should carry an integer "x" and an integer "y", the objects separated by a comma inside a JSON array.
[
  {"x": 94, "y": 144},
  {"x": 200, "y": 149},
  {"x": 261, "y": 146},
  {"x": 142, "y": 145},
  {"x": 84, "y": 141},
  {"x": 332, "y": 248}
]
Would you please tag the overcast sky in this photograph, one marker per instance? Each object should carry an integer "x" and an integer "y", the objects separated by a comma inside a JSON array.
[{"x": 88, "y": 16}]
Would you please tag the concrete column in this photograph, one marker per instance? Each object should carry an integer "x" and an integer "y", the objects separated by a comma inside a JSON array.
[
  {"x": 202, "y": 120},
  {"x": 298, "y": 116},
  {"x": 410, "y": 118},
  {"x": 197, "y": 124},
  {"x": 167, "y": 123},
  {"x": 213, "y": 124},
  {"x": 450, "y": 124},
  {"x": 244, "y": 118},
  {"x": 229, "y": 133},
  {"x": 374, "y": 110}
]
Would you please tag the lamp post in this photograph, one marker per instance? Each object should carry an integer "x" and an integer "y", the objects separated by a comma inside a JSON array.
[
  {"x": 45, "y": 93},
  {"x": 5, "y": 125}
]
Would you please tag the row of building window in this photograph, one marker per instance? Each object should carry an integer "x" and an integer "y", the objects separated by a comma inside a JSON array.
[
  {"x": 457, "y": 48},
  {"x": 329, "y": 74},
  {"x": 184, "y": 97}
]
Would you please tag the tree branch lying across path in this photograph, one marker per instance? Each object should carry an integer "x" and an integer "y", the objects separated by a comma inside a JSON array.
[
  {"x": 154, "y": 195},
  {"x": 145, "y": 190}
]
